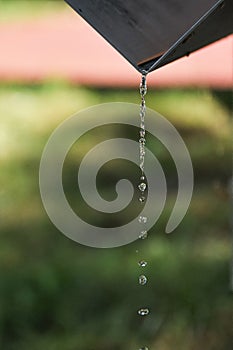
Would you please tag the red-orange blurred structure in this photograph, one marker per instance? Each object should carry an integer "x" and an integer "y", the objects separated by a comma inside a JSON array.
[{"x": 33, "y": 51}]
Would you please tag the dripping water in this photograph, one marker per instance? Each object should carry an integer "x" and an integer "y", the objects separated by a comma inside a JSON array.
[{"x": 142, "y": 186}]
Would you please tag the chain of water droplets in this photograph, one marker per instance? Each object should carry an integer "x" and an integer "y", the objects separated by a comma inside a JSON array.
[{"x": 143, "y": 311}]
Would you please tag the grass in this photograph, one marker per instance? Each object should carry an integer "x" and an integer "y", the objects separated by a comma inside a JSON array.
[{"x": 56, "y": 294}]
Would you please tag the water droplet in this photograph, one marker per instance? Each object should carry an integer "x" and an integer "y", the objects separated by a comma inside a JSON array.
[
  {"x": 142, "y": 124},
  {"x": 136, "y": 251},
  {"x": 142, "y": 199},
  {"x": 143, "y": 235},
  {"x": 142, "y": 186},
  {"x": 142, "y": 133},
  {"x": 142, "y": 140},
  {"x": 143, "y": 312},
  {"x": 142, "y": 263},
  {"x": 142, "y": 177},
  {"x": 142, "y": 280},
  {"x": 142, "y": 153},
  {"x": 142, "y": 219},
  {"x": 144, "y": 348}
]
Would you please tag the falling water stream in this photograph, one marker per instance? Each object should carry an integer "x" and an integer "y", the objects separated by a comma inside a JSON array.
[{"x": 142, "y": 279}]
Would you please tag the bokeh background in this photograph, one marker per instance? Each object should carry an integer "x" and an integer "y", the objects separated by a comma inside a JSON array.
[{"x": 58, "y": 295}]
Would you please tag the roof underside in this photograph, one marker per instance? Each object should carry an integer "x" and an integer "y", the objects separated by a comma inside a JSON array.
[{"x": 152, "y": 33}]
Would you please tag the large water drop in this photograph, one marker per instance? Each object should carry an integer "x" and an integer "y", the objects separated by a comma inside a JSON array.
[
  {"x": 143, "y": 312},
  {"x": 142, "y": 280},
  {"x": 142, "y": 186},
  {"x": 142, "y": 263}
]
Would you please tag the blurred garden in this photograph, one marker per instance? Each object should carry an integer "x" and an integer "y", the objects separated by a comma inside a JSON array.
[{"x": 56, "y": 294}]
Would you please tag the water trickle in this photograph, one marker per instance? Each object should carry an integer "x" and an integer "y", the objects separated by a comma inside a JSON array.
[
  {"x": 142, "y": 133},
  {"x": 142, "y": 186},
  {"x": 142, "y": 199},
  {"x": 142, "y": 263},
  {"x": 142, "y": 219},
  {"x": 142, "y": 280},
  {"x": 142, "y": 141},
  {"x": 143, "y": 234},
  {"x": 143, "y": 312}
]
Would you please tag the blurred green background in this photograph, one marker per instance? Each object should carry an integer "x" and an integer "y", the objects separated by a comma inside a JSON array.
[{"x": 57, "y": 294}]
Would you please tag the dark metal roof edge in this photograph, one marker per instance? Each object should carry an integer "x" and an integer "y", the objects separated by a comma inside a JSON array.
[
  {"x": 103, "y": 36},
  {"x": 160, "y": 60}
]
